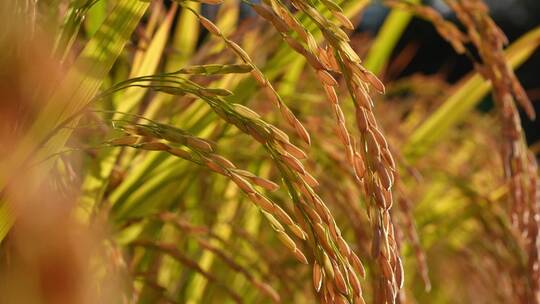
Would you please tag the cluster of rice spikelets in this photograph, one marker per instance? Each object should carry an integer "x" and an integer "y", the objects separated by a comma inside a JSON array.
[
  {"x": 336, "y": 267},
  {"x": 158, "y": 137},
  {"x": 258, "y": 75},
  {"x": 177, "y": 231},
  {"x": 519, "y": 164},
  {"x": 369, "y": 156},
  {"x": 520, "y": 169},
  {"x": 311, "y": 214}
]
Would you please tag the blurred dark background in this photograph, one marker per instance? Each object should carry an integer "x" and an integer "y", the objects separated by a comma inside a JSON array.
[{"x": 433, "y": 55}]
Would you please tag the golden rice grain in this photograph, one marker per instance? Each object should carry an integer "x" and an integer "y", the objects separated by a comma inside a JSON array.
[
  {"x": 386, "y": 268},
  {"x": 299, "y": 232},
  {"x": 258, "y": 134},
  {"x": 339, "y": 113},
  {"x": 361, "y": 119},
  {"x": 343, "y": 20},
  {"x": 287, "y": 241},
  {"x": 355, "y": 282},
  {"x": 313, "y": 61},
  {"x": 332, "y": 59},
  {"x": 317, "y": 277},
  {"x": 262, "y": 202},
  {"x": 388, "y": 158},
  {"x": 276, "y": 225},
  {"x": 302, "y": 132},
  {"x": 222, "y": 161},
  {"x": 295, "y": 45},
  {"x": 343, "y": 246},
  {"x": 237, "y": 49},
  {"x": 210, "y": 26},
  {"x": 310, "y": 180},
  {"x": 242, "y": 183},
  {"x": 180, "y": 153},
  {"x": 293, "y": 163},
  {"x": 300, "y": 256},
  {"x": 331, "y": 94},
  {"x": 399, "y": 273},
  {"x": 199, "y": 144},
  {"x": 385, "y": 176},
  {"x": 293, "y": 150},
  {"x": 343, "y": 133},
  {"x": 278, "y": 134},
  {"x": 326, "y": 78},
  {"x": 288, "y": 115},
  {"x": 375, "y": 82},
  {"x": 282, "y": 215},
  {"x": 359, "y": 167},
  {"x": 373, "y": 147},
  {"x": 339, "y": 280},
  {"x": 380, "y": 200},
  {"x": 362, "y": 98},
  {"x": 216, "y": 168},
  {"x": 266, "y": 184},
  {"x": 314, "y": 216},
  {"x": 380, "y": 138},
  {"x": 323, "y": 57},
  {"x": 357, "y": 265}
]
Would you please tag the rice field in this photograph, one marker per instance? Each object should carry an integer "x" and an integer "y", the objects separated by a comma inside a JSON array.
[{"x": 218, "y": 151}]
